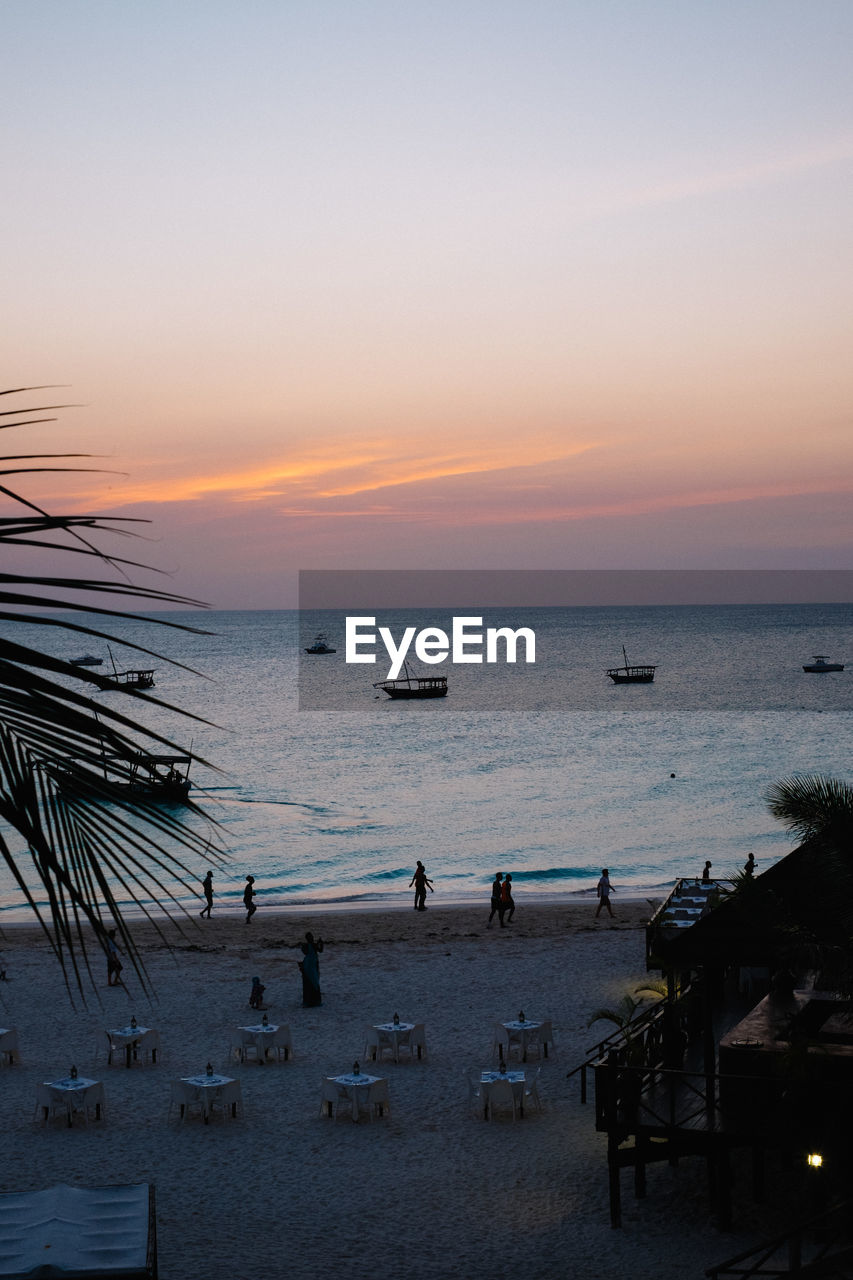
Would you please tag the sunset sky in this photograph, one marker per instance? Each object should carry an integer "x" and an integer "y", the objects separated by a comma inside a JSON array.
[{"x": 352, "y": 283}]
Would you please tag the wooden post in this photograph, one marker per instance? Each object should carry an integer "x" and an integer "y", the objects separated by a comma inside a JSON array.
[{"x": 612, "y": 1104}]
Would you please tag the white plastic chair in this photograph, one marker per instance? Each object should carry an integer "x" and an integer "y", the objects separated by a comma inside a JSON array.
[
  {"x": 375, "y": 1045},
  {"x": 378, "y": 1099},
  {"x": 148, "y": 1046},
  {"x": 183, "y": 1097},
  {"x": 475, "y": 1091},
  {"x": 227, "y": 1100},
  {"x": 334, "y": 1098},
  {"x": 531, "y": 1091},
  {"x": 500, "y": 1093},
  {"x": 48, "y": 1104},
  {"x": 546, "y": 1038},
  {"x": 281, "y": 1044},
  {"x": 416, "y": 1041}
]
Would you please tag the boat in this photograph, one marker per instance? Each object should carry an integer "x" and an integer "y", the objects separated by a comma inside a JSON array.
[
  {"x": 86, "y": 660},
  {"x": 640, "y": 674},
  {"x": 134, "y": 679},
  {"x": 143, "y": 775},
  {"x": 819, "y": 664},
  {"x": 414, "y": 686},
  {"x": 321, "y": 644}
]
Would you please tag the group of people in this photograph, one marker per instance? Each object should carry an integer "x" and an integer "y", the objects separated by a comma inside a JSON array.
[{"x": 502, "y": 900}]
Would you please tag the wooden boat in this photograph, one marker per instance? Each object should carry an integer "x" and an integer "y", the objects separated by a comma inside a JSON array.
[
  {"x": 321, "y": 644},
  {"x": 414, "y": 686},
  {"x": 135, "y": 679},
  {"x": 86, "y": 660},
  {"x": 628, "y": 674},
  {"x": 820, "y": 664},
  {"x": 146, "y": 776}
]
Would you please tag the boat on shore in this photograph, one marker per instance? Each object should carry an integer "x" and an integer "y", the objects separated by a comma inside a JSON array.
[
  {"x": 820, "y": 663},
  {"x": 414, "y": 686},
  {"x": 321, "y": 644},
  {"x": 641, "y": 673}
]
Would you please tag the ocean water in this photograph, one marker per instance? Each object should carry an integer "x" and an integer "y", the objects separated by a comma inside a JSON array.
[{"x": 548, "y": 771}]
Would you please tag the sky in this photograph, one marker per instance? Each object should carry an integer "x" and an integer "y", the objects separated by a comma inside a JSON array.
[{"x": 343, "y": 284}]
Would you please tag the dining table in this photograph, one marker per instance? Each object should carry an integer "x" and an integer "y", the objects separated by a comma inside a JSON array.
[
  {"x": 395, "y": 1034},
  {"x": 263, "y": 1035},
  {"x": 75, "y": 1093},
  {"x": 525, "y": 1032},
  {"x": 516, "y": 1078},
  {"x": 356, "y": 1087},
  {"x": 127, "y": 1038},
  {"x": 207, "y": 1086}
]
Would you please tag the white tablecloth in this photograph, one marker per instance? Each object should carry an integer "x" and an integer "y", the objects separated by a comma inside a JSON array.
[
  {"x": 355, "y": 1087},
  {"x": 126, "y": 1038},
  {"x": 9, "y": 1044},
  {"x": 208, "y": 1086},
  {"x": 265, "y": 1038},
  {"x": 516, "y": 1079},
  {"x": 523, "y": 1034},
  {"x": 76, "y": 1095},
  {"x": 395, "y": 1034}
]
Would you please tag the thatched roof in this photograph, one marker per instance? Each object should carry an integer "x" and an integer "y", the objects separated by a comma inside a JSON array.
[{"x": 803, "y": 903}]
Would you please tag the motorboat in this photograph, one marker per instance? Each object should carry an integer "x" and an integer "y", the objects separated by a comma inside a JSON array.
[
  {"x": 321, "y": 644},
  {"x": 820, "y": 663},
  {"x": 86, "y": 660}
]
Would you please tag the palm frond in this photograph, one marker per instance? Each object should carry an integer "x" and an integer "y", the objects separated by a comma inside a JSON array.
[
  {"x": 78, "y": 853},
  {"x": 813, "y": 805}
]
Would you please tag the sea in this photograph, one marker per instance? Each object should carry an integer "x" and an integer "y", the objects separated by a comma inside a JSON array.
[{"x": 327, "y": 791}]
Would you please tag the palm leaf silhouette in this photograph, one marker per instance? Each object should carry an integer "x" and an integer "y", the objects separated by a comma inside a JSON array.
[{"x": 76, "y": 852}]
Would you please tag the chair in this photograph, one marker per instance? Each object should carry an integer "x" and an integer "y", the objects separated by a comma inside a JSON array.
[
  {"x": 546, "y": 1038},
  {"x": 184, "y": 1096},
  {"x": 415, "y": 1041},
  {"x": 148, "y": 1044},
  {"x": 334, "y": 1097},
  {"x": 9, "y": 1051},
  {"x": 249, "y": 1046},
  {"x": 281, "y": 1044},
  {"x": 228, "y": 1098},
  {"x": 49, "y": 1104},
  {"x": 500, "y": 1094},
  {"x": 500, "y": 1042},
  {"x": 113, "y": 1047},
  {"x": 475, "y": 1091},
  {"x": 531, "y": 1091},
  {"x": 378, "y": 1099},
  {"x": 375, "y": 1044},
  {"x": 92, "y": 1100}
]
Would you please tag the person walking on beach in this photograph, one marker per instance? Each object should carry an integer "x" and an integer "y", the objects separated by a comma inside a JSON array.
[
  {"x": 604, "y": 889},
  {"x": 497, "y": 901},
  {"x": 421, "y": 883},
  {"x": 114, "y": 964},
  {"x": 207, "y": 890},
  {"x": 506, "y": 898},
  {"x": 309, "y": 967},
  {"x": 248, "y": 895}
]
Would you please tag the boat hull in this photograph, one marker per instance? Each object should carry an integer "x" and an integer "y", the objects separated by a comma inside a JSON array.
[
  {"x": 819, "y": 668},
  {"x": 415, "y": 693},
  {"x": 640, "y": 676}
]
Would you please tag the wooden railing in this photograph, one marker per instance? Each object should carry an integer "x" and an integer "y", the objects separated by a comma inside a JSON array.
[{"x": 821, "y": 1246}]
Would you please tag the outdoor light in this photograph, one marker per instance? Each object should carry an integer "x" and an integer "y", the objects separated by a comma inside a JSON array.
[{"x": 814, "y": 1160}]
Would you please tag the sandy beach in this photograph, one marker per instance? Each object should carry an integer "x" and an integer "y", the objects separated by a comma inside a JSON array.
[{"x": 430, "y": 1191}]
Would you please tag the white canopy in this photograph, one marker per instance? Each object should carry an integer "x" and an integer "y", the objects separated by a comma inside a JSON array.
[{"x": 78, "y": 1232}]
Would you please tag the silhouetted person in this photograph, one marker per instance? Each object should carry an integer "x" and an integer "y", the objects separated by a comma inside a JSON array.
[
  {"x": 309, "y": 967},
  {"x": 248, "y": 896},
  {"x": 497, "y": 901},
  {"x": 706, "y": 873},
  {"x": 506, "y": 898},
  {"x": 207, "y": 889},
  {"x": 114, "y": 964},
  {"x": 749, "y": 865},
  {"x": 604, "y": 889},
  {"x": 421, "y": 883}
]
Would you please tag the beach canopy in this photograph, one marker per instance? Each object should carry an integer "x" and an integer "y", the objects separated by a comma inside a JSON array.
[{"x": 77, "y": 1232}]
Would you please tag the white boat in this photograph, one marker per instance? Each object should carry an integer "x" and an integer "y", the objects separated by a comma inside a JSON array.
[{"x": 820, "y": 664}]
